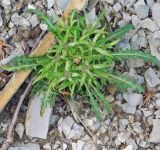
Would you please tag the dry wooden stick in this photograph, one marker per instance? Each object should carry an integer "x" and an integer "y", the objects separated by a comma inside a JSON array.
[{"x": 9, "y": 139}]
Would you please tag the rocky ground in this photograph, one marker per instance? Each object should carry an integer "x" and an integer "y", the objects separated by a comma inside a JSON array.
[{"x": 135, "y": 122}]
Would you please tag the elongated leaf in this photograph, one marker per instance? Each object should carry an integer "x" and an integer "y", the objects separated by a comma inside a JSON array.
[
  {"x": 122, "y": 82},
  {"x": 135, "y": 54},
  {"x": 93, "y": 103},
  {"x": 120, "y": 32},
  {"x": 24, "y": 63},
  {"x": 47, "y": 20},
  {"x": 102, "y": 98}
]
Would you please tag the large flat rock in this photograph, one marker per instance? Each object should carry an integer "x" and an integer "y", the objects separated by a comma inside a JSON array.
[
  {"x": 29, "y": 146},
  {"x": 35, "y": 124}
]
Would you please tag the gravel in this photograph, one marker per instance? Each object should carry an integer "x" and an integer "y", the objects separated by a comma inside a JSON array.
[
  {"x": 151, "y": 78},
  {"x": 154, "y": 136},
  {"x": 70, "y": 128},
  {"x": 155, "y": 13},
  {"x": 141, "y": 9},
  {"x": 150, "y": 25},
  {"x": 29, "y": 146},
  {"x": 133, "y": 125},
  {"x": 1, "y": 21},
  {"x": 20, "y": 130},
  {"x": 129, "y": 109},
  {"x": 133, "y": 99},
  {"x": 50, "y": 3}
]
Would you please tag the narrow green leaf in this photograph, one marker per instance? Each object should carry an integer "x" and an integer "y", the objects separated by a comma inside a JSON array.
[
  {"x": 47, "y": 20},
  {"x": 120, "y": 32},
  {"x": 136, "y": 54},
  {"x": 93, "y": 103},
  {"x": 102, "y": 98}
]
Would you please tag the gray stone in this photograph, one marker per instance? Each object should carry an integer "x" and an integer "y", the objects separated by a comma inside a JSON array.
[
  {"x": 92, "y": 16},
  {"x": 71, "y": 129},
  {"x": 35, "y": 124},
  {"x": 143, "y": 40},
  {"x": 122, "y": 2},
  {"x": 10, "y": 25},
  {"x": 143, "y": 144},
  {"x": 66, "y": 126},
  {"x": 133, "y": 99},
  {"x": 154, "y": 45},
  {"x": 34, "y": 20},
  {"x": 110, "y": 1},
  {"x": 129, "y": 3},
  {"x": 150, "y": 3},
  {"x": 19, "y": 130},
  {"x": 117, "y": 142},
  {"x": 138, "y": 78},
  {"x": 53, "y": 119},
  {"x": 1, "y": 21},
  {"x": 132, "y": 63},
  {"x": 19, "y": 20},
  {"x": 126, "y": 17},
  {"x": 136, "y": 21},
  {"x": 156, "y": 13},
  {"x": 76, "y": 132},
  {"x": 135, "y": 42},
  {"x": 11, "y": 32},
  {"x": 74, "y": 146},
  {"x": 43, "y": 26},
  {"x": 92, "y": 124},
  {"x": 62, "y": 4},
  {"x": 124, "y": 45},
  {"x": 29, "y": 146},
  {"x": 128, "y": 109},
  {"x": 129, "y": 147},
  {"x": 150, "y": 120},
  {"x": 64, "y": 146},
  {"x": 117, "y": 7},
  {"x": 53, "y": 15},
  {"x": 47, "y": 146},
  {"x": 157, "y": 112},
  {"x": 91, "y": 4},
  {"x": 50, "y": 3},
  {"x": 150, "y": 25},
  {"x": 30, "y": 6},
  {"x": 124, "y": 121},
  {"x": 6, "y": 3},
  {"x": 121, "y": 23},
  {"x": 156, "y": 35},
  {"x": 158, "y": 102},
  {"x": 141, "y": 9},
  {"x": 132, "y": 142},
  {"x": 79, "y": 145},
  {"x": 147, "y": 113},
  {"x": 151, "y": 78},
  {"x": 137, "y": 127},
  {"x": 89, "y": 145},
  {"x": 121, "y": 137},
  {"x": 154, "y": 135}
]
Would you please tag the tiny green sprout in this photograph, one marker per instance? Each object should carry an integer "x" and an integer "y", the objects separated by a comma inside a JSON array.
[{"x": 82, "y": 61}]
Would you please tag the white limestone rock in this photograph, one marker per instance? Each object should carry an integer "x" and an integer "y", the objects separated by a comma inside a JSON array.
[
  {"x": 35, "y": 124},
  {"x": 141, "y": 9},
  {"x": 133, "y": 99},
  {"x": 154, "y": 135},
  {"x": 151, "y": 78},
  {"x": 150, "y": 25},
  {"x": 156, "y": 13}
]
